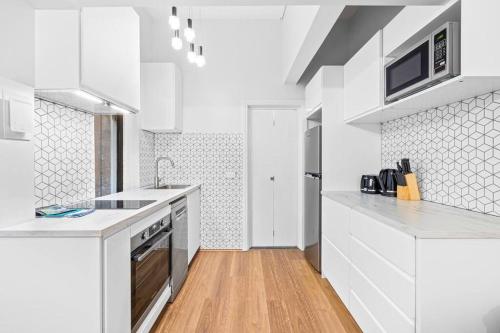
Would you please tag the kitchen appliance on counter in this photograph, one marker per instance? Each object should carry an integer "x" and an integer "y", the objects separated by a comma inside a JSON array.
[
  {"x": 388, "y": 182},
  {"x": 369, "y": 184},
  {"x": 179, "y": 245},
  {"x": 434, "y": 59},
  {"x": 312, "y": 196},
  {"x": 150, "y": 268},
  {"x": 112, "y": 204}
]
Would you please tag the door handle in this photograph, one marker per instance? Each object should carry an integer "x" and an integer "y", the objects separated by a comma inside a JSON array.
[{"x": 271, "y": 178}]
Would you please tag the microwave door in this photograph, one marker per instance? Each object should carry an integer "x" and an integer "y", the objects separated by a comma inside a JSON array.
[{"x": 409, "y": 73}]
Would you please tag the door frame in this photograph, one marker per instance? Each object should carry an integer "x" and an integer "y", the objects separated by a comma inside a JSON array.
[{"x": 293, "y": 105}]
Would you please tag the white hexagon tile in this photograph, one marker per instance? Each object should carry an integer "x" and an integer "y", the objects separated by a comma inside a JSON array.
[
  {"x": 64, "y": 154},
  {"x": 455, "y": 151},
  {"x": 206, "y": 159}
]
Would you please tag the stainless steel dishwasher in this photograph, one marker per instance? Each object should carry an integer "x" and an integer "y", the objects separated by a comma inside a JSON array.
[{"x": 179, "y": 216}]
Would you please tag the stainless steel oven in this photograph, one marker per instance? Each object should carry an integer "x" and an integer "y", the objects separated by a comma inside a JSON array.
[
  {"x": 433, "y": 60},
  {"x": 150, "y": 268}
]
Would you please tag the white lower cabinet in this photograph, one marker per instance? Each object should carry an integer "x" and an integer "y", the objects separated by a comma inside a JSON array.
[
  {"x": 335, "y": 264},
  {"x": 117, "y": 306},
  {"x": 373, "y": 273},
  {"x": 378, "y": 304},
  {"x": 395, "y": 246},
  {"x": 335, "y": 267},
  {"x": 397, "y": 286},
  {"x": 194, "y": 220},
  {"x": 363, "y": 317},
  {"x": 66, "y": 284},
  {"x": 393, "y": 282}
]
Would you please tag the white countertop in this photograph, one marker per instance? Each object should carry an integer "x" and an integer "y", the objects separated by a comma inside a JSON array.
[
  {"x": 421, "y": 219},
  {"x": 101, "y": 223}
]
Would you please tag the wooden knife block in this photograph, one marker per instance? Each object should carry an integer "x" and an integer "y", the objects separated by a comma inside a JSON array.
[{"x": 410, "y": 191}]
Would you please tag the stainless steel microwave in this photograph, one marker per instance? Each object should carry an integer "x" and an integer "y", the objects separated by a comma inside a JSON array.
[{"x": 429, "y": 62}]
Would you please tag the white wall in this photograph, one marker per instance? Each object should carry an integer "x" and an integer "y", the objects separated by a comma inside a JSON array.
[
  {"x": 244, "y": 62},
  {"x": 17, "y": 59},
  {"x": 348, "y": 151}
]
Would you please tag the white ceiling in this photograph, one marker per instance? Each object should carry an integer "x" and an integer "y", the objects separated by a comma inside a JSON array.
[
  {"x": 230, "y": 3},
  {"x": 220, "y": 12}
]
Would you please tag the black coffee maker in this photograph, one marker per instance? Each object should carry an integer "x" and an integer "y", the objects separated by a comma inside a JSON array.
[{"x": 387, "y": 182}]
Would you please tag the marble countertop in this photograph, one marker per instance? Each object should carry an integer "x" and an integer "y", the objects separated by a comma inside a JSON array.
[
  {"x": 421, "y": 219},
  {"x": 101, "y": 223}
]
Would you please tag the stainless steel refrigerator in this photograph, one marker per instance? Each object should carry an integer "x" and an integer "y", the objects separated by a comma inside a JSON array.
[{"x": 312, "y": 196}]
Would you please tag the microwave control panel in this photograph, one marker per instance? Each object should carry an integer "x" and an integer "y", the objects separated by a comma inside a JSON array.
[{"x": 440, "y": 46}]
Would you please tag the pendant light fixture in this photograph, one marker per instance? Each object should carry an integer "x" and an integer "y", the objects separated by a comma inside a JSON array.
[
  {"x": 191, "y": 54},
  {"x": 200, "y": 58},
  {"x": 189, "y": 33},
  {"x": 173, "y": 20},
  {"x": 176, "y": 40}
]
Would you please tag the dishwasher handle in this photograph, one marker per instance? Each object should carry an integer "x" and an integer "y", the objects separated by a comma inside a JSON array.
[{"x": 156, "y": 245}]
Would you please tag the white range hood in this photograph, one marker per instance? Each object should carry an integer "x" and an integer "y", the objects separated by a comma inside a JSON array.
[{"x": 89, "y": 59}]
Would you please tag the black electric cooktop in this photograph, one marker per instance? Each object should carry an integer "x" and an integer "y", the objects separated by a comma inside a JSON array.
[{"x": 112, "y": 204}]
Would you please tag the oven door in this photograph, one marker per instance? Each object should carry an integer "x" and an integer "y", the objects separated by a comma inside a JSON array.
[
  {"x": 150, "y": 274},
  {"x": 408, "y": 73}
]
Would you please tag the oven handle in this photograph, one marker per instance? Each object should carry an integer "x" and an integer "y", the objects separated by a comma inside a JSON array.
[{"x": 153, "y": 247}]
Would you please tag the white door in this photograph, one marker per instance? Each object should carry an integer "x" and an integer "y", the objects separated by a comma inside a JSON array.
[{"x": 273, "y": 172}]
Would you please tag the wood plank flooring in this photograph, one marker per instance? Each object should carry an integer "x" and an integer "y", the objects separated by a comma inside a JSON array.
[{"x": 264, "y": 290}]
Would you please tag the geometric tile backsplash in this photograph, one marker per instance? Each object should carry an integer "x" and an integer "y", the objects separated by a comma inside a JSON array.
[
  {"x": 216, "y": 161},
  {"x": 64, "y": 154},
  {"x": 146, "y": 158},
  {"x": 454, "y": 150}
]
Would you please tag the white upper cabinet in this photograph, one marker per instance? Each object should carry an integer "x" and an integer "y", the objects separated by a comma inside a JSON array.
[
  {"x": 313, "y": 92},
  {"x": 161, "y": 97},
  {"x": 410, "y": 20},
  {"x": 83, "y": 58},
  {"x": 110, "y": 53},
  {"x": 478, "y": 59},
  {"x": 363, "y": 76}
]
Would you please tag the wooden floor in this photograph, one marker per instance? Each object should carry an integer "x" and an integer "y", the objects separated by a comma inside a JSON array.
[{"x": 255, "y": 291}]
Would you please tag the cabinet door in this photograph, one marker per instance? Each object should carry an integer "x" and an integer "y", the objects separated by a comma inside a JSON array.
[
  {"x": 110, "y": 53},
  {"x": 161, "y": 97},
  {"x": 395, "y": 246},
  {"x": 313, "y": 91},
  {"x": 408, "y": 22},
  {"x": 363, "y": 76},
  {"x": 335, "y": 224},
  {"x": 335, "y": 267},
  {"x": 117, "y": 297},
  {"x": 194, "y": 219}
]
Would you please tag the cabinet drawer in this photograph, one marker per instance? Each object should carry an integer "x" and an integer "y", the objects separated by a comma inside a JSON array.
[
  {"x": 363, "y": 317},
  {"x": 395, "y": 246},
  {"x": 385, "y": 313},
  {"x": 335, "y": 268},
  {"x": 398, "y": 286},
  {"x": 335, "y": 224}
]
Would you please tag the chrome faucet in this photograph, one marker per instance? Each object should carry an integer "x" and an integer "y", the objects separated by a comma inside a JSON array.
[{"x": 158, "y": 160}]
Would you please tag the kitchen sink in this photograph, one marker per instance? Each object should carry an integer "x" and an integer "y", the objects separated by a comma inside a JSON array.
[{"x": 171, "y": 187}]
